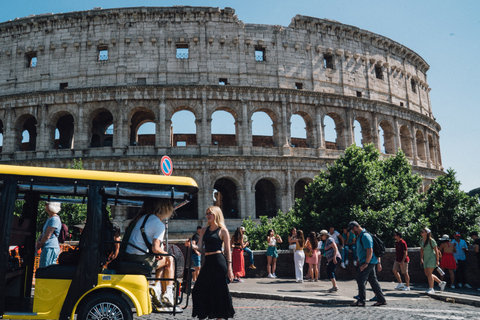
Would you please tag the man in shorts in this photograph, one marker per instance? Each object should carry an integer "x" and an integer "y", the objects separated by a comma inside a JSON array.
[
  {"x": 196, "y": 255},
  {"x": 401, "y": 263}
]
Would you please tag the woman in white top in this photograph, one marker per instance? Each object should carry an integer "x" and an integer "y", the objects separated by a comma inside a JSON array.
[
  {"x": 292, "y": 239},
  {"x": 272, "y": 253}
]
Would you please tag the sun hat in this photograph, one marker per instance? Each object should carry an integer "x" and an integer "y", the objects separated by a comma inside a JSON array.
[{"x": 445, "y": 237}]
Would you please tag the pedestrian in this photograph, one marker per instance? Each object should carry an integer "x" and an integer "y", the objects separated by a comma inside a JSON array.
[
  {"x": 429, "y": 257},
  {"x": 210, "y": 295},
  {"x": 338, "y": 239},
  {"x": 312, "y": 259},
  {"x": 368, "y": 263},
  {"x": 246, "y": 249},
  {"x": 272, "y": 253},
  {"x": 299, "y": 256},
  {"x": 350, "y": 240},
  {"x": 321, "y": 252},
  {"x": 448, "y": 261},
  {"x": 238, "y": 261},
  {"x": 48, "y": 240},
  {"x": 333, "y": 257},
  {"x": 461, "y": 259},
  {"x": 292, "y": 238},
  {"x": 401, "y": 262},
  {"x": 476, "y": 243},
  {"x": 196, "y": 255}
]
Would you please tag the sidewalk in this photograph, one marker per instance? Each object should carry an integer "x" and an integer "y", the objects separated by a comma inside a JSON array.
[{"x": 317, "y": 292}]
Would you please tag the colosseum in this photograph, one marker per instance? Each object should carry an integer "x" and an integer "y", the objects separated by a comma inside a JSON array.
[{"x": 84, "y": 84}]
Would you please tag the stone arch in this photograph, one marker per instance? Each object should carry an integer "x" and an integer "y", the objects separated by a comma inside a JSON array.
[
  {"x": 26, "y": 123},
  {"x": 431, "y": 149},
  {"x": 267, "y": 197},
  {"x": 101, "y": 134},
  {"x": 185, "y": 135},
  {"x": 139, "y": 117},
  {"x": 299, "y": 188},
  {"x": 221, "y": 131},
  {"x": 365, "y": 130},
  {"x": 264, "y": 140},
  {"x": 388, "y": 137},
  {"x": 420, "y": 141},
  {"x": 309, "y": 130},
  {"x": 406, "y": 141},
  {"x": 226, "y": 197},
  {"x": 60, "y": 130},
  {"x": 339, "y": 143}
]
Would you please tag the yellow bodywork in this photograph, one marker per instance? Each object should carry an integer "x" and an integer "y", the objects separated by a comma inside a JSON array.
[{"x": 50, "y": 295}]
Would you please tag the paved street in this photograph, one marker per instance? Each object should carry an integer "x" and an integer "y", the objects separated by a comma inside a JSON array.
[{"x": 414, "y": 308}]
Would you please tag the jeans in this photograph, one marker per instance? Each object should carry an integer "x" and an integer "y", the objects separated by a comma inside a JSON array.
[
  {"x": 369, "y": 274},
  {"x": 344, "y": 252},
  {"x": 250, "y": 254},
  {"x": 331, "y": 268}
]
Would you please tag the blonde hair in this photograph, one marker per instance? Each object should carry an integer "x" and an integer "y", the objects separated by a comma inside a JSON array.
[{"x": 219, "y": 220}]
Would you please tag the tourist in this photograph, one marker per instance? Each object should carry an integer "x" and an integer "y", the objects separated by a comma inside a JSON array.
[
  {"x": 238, "y": 260},
  {"x": 272, "y": 253},
  {"x": 333, "y": 258},
  {"x": 48, "y": 240},
  {"x": 292, "y": 238},
  {"x": 429, "y": 258},
  {"x": 461, "y": 258},
  {"x": 368, "y": 262},
  {"x": 246, "y": 249},
  {"x": 196, "y": 255},
  {"x": 311, "y": 258},
  {"x": 338, "y": 239},
  {"x": 211, "y": 297},
  {"x": 476, "y": 244},
  {"x": 350, "y": 240},
  {"x": 299, "y": 256},
  {"x": 448, "y": 261},
  {"x": 401, "y": 263}
]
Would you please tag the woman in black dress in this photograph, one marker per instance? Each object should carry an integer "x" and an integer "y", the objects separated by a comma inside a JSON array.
[{"x": 210, "y": 294}]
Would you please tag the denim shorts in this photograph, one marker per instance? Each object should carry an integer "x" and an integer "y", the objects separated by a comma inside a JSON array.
[
  {"x": 196, "y": 260},
  {"x": 272, "y": 251}
]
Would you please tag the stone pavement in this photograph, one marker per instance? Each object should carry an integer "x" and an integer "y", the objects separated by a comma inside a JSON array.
[{"x": 317, "y": 292}]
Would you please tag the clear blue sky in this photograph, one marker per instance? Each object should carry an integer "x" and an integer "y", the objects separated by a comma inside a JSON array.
[{"x": 445, "y": 33}]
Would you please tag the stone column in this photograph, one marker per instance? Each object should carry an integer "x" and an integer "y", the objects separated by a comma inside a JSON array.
[
  {"x": 414, "y": 145},
  {"x": 285, "y": 136},
  {"x": 43, "y": 137},
  {"x": 320, "y": 128},
  {"x": 10, "y": 134},
  {"x": 161, "y": 131},
  {"x": 375, "y": 137},
  {"x": 249, "y": 210},
  {"x": 396, "y": 135},
  {"x": 81, "y": 129},
  {"x": 121, "y": 138}
]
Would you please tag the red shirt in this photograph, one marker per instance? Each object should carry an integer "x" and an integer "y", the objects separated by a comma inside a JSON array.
[{"x": 400, "y": 248}]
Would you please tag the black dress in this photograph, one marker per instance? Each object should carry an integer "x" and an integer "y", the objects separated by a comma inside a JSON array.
[{"x": 211, "y": 297}]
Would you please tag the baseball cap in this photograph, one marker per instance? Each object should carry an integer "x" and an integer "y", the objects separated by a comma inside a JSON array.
[{"x": 457, "y": 234}]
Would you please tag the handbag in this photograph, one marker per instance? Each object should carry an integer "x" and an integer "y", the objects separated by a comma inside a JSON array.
[{"x": 308, "y": 252}]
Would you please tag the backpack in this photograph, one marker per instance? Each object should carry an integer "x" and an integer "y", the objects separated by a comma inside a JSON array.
[
  {"x": 378, "y": 245},
  {"x": 63, "y": 235}
]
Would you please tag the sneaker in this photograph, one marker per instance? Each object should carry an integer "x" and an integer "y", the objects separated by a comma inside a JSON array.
[
  {"x": 275, "y": 276},
  {"x": 156, "y": 303},
  {"x": 310, "y": 280},
  {"x": 452, "y": 286},
  {"x": 442, "y": 285},
  {"x": 236, "y": 280},
  {"x": 167, "y": 298},
  {"x": 316, "y": 280},
  {"x": 270, "y": 276},
  {"x": 252, "y": 267},
  {"x": 240, "y": 280},
  {"x": 346, "y": 262},
  {"x": 399, "y": 286},
  {"x": 430, "y": 291},
  {"x": 357, "y": 297},
  {"x": 343, "y": 265},
  {"x": 333, "y": 289},
  {"x": 355, "y": 263},
  {"x": 374, "y": 299},
  {"x": 459, "y": 285},
  {"x": 405, "y": 288},
  {"x": 299, "y": 281},
  {"x": 468, "y": 286}
]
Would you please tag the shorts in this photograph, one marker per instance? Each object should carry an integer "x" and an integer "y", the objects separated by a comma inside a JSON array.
[
  {"x": 196, "y": 260},
  {"x": 147, "y": 259},
  {"x": 398, "y": 267},
  {"x": 272, "y": 252}
]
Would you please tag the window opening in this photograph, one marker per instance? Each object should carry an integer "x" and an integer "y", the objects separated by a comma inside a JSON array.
[
  {"x": 182, "y": 51},
  {"x": 141, "y": 81},
  {"x": 379, "y": 72},
  {"x": 298, "y": 85},
  {"x": 102, "y": 54},
  {"x": 31, "y": 60},
  {"x": 181, "y": 143},
  {"x": 359, "y": 94},
  {"x": 223, "y": 81},
  {"x": 63, "y": 85},
  {"x": 414, "y": 85},
  {"x": 401, "y": 104},
  {"x": 259, "y": 54},
  {"x": 328, "y": 61}
]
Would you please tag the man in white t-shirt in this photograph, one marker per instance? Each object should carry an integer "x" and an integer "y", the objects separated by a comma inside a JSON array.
[{"x": 337, "y": 237}]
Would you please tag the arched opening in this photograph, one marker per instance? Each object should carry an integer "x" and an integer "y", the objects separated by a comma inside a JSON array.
[
  {"x": 420, "y": 145},
  {"x": 406, "y": 141},
  {"x": 102, "y": 130},
  {"x": 300, "y": 187},
  {"x": 334, "y": 132},
  {"x": 64, "y": 133},
  {"x": 262, "y": 130},
  {"x": 28, "y": 130},
  {"x": 387, "y": 141},
  {"x": 184, "y": 130},
  {"x": 188, "y": 211},
  {"x": 265, "y": 199},
  {"x": 362, "y": 131},
  {"x": 223, "y": 129},
  {"x": 142, "y": 128},
  {"x": 225, "y": 196},
  {"x": 298, "y": 131},
  {"x": 431, "y": 149}
]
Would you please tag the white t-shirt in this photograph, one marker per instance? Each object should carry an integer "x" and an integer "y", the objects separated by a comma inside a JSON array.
[
  {"x": 154, "y": 229},
  {"x": 334, "y": 236}
]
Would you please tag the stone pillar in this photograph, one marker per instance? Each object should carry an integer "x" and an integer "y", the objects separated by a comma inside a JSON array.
[
  {"x": 285, "y": 136},
  {"x": 43, "y": 133},
  {"x": 10, "y": 133},
  {"x": 414, "y": 146},
  {"x": 121, "y": 137},
  {"x": 249, "y": 195},
  {"x": 375, "y": 137},
  {"x": 349, "y": 138},
  {"x": 288, "y": 190},
  {"x": 396, "y": 135},
  {"x": 161, "y": 130},
  {"x": 82, "y": 133},
  {"x": 320, "y": 128}
]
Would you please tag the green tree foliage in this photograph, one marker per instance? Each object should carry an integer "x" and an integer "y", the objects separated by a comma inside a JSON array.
[{"x": 450, "y": 209}]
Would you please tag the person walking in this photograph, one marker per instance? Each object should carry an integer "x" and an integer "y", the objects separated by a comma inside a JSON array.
[
  {"x": 272, "y": 253},
  {"x": 196, "y": 255},
  {"x": 447, "y": 261},
  {"x": 312, "y": 259},
  {"x": 368, "y": 262},
  {"x": 299, "y": 256},
  {"x": 238, "y": 261},
  {"x": 246, "y": 249},
  {"x": 429, "y": 257},
  {"x": 401, "y": 263},
  {"x": 461, "y": 259},
  {"x": 48, "y": 240},
  {"x": 210, "y": 295},
  {"x": 333, "y": 256}
]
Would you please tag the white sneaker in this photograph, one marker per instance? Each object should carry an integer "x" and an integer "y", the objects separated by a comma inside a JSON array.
[
  {"x": 468, "y": 286},
  {"x": 452, "y": 286},
  {"x": 430, "y": 291},
  {"x": 275, "y": 276},
  {"x": 405, "y": 288},
  {"x": 459, "y": 285},
  {"x": 442, "y": 285},
  {"x": 355, "y": 263},
  {"x": 399, "y": 286},
  {"x": 270, "y": 276},
  {"x": 346, "y": 262},
  {"x": 167, "y": 297},
  {"x": 343, "y": 265}
]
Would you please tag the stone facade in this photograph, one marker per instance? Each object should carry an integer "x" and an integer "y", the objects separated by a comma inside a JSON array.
[{"x": 81, "y": 84}]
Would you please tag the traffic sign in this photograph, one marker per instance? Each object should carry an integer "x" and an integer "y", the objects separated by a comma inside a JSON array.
[{"x": 166, "y": 165}]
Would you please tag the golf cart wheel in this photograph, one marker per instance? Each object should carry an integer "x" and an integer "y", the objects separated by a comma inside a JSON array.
[{"x": 105, "y": 306}]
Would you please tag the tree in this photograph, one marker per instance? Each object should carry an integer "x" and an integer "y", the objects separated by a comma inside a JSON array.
[{"x": 450, "y": 209}]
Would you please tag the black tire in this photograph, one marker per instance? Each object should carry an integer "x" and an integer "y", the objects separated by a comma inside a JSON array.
[{"x": 106, "y": 306}]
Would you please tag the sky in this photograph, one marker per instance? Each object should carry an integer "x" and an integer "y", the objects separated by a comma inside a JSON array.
[{"x": 446, "y": 34}]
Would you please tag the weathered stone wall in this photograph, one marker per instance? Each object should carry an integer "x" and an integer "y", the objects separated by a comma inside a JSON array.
[{"x": 80, "y": 73}]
